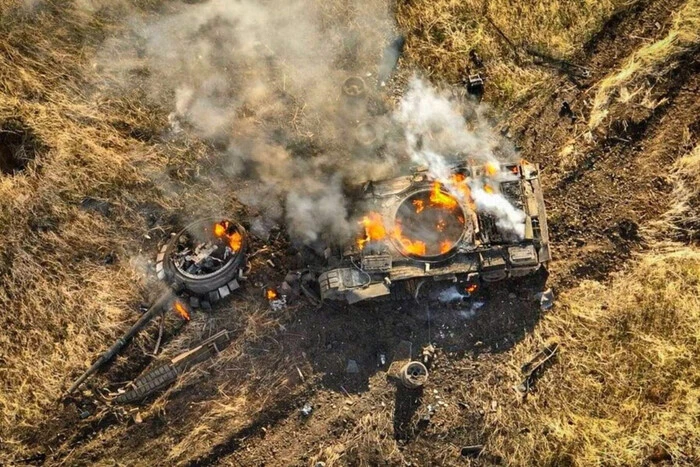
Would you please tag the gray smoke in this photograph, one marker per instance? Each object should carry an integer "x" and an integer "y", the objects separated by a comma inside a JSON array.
[
  {"x": 261, "y": 81},
  {"x": 437, "y": 135}
]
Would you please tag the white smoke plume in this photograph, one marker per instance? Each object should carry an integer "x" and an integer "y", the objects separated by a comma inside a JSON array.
[
  {"x": 437, "y": 134},
  {"x": 261, "y": 80}
]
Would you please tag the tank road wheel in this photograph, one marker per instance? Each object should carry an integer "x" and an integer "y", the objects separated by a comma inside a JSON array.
[
  {"x": 205, "y": 258},
  {"x": 414, "y": 375}
]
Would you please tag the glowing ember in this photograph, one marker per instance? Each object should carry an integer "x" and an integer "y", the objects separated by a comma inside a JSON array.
[
  {"x": 219, "y": 230},
  {"x": 271, "y": 294},
  {"x": 225, "y": 230},
  {"x": 235, "y": 241},
  {"x": 471, "y": 288},
  {"x": 419, "y": 204},
  {"x": 445, "y": 246},
  {"x": 181, "y": 310}
]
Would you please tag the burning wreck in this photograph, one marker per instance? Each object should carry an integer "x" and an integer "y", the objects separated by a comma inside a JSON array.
[
  {"x": 483, "y": 223},
  {"x": 205, "y": 259}
]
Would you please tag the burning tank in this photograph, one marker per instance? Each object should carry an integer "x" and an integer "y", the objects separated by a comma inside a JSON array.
[{"x": 481, "y": 223}]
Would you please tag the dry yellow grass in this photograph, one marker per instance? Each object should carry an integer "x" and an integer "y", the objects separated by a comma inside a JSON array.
[
  {"x": 683, "y": 219},
  {"x": 657, "y": 58},
  {"x": 61, "y": 302},
  {"x": 625, "y": 386},
  {"x": 441, "y": 34}
]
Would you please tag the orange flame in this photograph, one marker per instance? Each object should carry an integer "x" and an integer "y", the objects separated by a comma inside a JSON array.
[
  {"x": 488, "y": 189},
  {"x": 271, "y": 294},
  {"x": 471, "y": 288},
  {"x": 438, "y": 198},
  {"x": 460, "y": 184},
  {"x": 181, "y": 310},
  {"x": 374, "y": 229},
  {"x": 409, "y": 246},
  {"x": 219, "y": 230},
  {"x": 419, "y": 204},
  {"x": 235, "y": 239},
  {"x": 445, "y": 246}
]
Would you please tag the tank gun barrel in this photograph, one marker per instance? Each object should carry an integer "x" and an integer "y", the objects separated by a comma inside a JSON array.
[{"x": 124, "y": 339}]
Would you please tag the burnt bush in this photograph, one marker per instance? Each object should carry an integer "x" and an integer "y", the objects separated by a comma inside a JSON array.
[{"x": 19, "y": 146}]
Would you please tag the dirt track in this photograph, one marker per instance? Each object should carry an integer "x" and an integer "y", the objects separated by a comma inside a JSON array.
[{"x": 596, "y": 207}]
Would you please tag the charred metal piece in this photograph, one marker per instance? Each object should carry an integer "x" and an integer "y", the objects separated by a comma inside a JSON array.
[
  {"x": 413, "y": 375},
  {"x": 163, "y": 301},
  {"x": 206, "y": 259},
  {"x": 565, "y": 66},
  {"x": 164, "y": 375},
  {"x": 475, "y": 86},
  {"x": 472, "y": 451},
  {"x": 565, "y": 110},
  {"x": 474, "y": 247},
  {"x": 532, "y": 368},
  {"x": 475, "y": 59}
]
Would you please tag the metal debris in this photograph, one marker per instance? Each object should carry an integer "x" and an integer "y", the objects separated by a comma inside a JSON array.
[
  {"x": 565, "y": 110},
  {"x": 475, "y": 59},
  {"x": 472, "y": 451},
  {"x": 413, "y": 375},
  {"x": 306, "y": 410},
  {"x": 475, "y": 86},
  {"x": 546, "y": 299},
  {"x": 352, "y": 367},
  {"x": 428, "y": 354},
  {"x": 532, "y": 368}
]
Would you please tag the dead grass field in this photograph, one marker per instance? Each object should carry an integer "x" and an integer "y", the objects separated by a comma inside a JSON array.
[{"x": 623, "y": 391}]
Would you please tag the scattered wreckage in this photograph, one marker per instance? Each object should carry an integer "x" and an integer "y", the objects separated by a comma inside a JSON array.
[
  {"x": 417, "y": 236},
  {"x": 203, "y": 264}
]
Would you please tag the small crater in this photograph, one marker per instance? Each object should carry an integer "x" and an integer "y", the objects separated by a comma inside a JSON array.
[{"x": 19, "y": 146}]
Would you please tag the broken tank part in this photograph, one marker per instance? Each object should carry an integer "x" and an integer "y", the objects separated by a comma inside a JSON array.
[
  {"x": 164, "y": 375},
  {"x": 413, "y": 375},
  {"x": 417, "y": 235},
  {"x": 354, "y": 87},
  {"x": 205, "y": 258}
]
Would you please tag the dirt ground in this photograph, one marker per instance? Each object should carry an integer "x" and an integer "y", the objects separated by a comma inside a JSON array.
[{"x": 243, "y": 409}]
